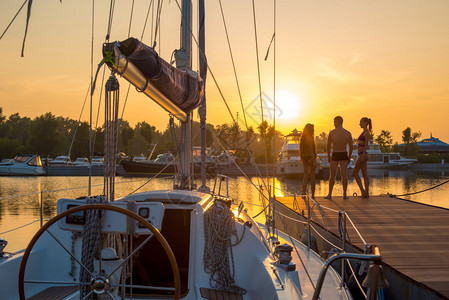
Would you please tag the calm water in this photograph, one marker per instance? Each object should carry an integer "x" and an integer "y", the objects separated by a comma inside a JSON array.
[{"x": 18, "y": 211}]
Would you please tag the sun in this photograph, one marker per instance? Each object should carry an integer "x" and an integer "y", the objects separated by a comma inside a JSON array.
[{"x": 288, "y": 106}]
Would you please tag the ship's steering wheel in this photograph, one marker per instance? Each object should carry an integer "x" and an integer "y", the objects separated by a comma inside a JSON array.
[{"x": 99, "y": 284}]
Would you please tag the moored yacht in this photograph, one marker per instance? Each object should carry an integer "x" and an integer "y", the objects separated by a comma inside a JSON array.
[
  {"x": 380, "y": 160},
  {"x": 25, "y": 164},
  {"x": 180, "y": 243},
  {"x": 289, "y": 162},
  {"x": 61, "y": 160}
]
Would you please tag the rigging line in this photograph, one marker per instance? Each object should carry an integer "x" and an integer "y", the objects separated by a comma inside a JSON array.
[
  {"x": 131, "y": 18},
  {"x": 146, "y": 20},
  {"x": 158, "y": 19},
  {"x": 356, "y": 230},
  {"x": 30, "y": 2},
  {"x": 240, "y": 169},
  {"x": 79, "y": 118},
  {"x": 152, "y": 21},
  {"x": 89, "y": 189},
  {"x": 149, "y": 180},
  {"x": 257, "y": 59},
  {"x": 111, "y": 17},
  {"x": 126, "y": 101},
  {"x": 224, "y": 100},
  {"x": 129, "y": 84},
  {"x": 98, "y": 110},
  {"x": 233, "y": 63},
  {"x": 258, "y": 77},
  {"x": 10, "y": 23},
  {"x": 274, "y": 106},
  {"x": 425, "y": 190},
  {"x": 356, "y": 279},
  {"x": 28, "y": 224}
]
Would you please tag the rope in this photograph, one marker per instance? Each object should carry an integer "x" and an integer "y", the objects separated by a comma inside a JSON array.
[
  {"x": 224, "y": 99},
  {"x": 146, "y": 19},
  {"x": 233, "y": 64},
  {"x": 235, "y": 163},
  {"x": 92, "y": 88},
  {"x": 149, "y": 180},
  {"x": 158, "y": 20},
  {"x": 414, "y": 193},
  {"x": 91, "y": 240},
  {"x": 68, "y": 189},
  {"x": 257, "y": 59},
  {"x": 30, "y": 3},
  {"x": 356, "y": 230},
  {"x": 356, "y": 279},
  {"x": 131, "y": 18},
  {"x": 4, "y": 232},
  {"x": 293, "y": 219},
  {"x": 111, "y": 16},
  {"x": 79, "y": 120},
  {"x": 10, "y": 23},
  {"x": 219, "y": 227},
  {"x": 324, "y": 239}
]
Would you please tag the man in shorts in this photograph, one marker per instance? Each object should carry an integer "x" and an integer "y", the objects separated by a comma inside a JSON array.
[{"x": 338, "y": 140}]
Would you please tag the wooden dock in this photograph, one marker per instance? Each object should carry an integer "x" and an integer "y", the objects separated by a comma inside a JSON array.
[{"x": 413, "y": 238}]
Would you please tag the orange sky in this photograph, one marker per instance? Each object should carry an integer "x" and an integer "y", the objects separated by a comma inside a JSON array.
[{"x": 387, "y": 60}]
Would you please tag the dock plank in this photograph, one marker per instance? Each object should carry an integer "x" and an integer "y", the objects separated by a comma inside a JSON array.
[{"x": 413, "y": 238}]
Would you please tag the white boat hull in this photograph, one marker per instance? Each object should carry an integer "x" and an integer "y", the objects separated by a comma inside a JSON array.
[{"x": 256, "y": 271}]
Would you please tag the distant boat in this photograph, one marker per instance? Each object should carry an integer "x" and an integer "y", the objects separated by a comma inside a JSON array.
[
  {"x": 289, "y": 163},
  {"x": 81, "y": 161},
  {"x": 26, "y": 164},
  {"x": 60, "y": 160},
  {"x": 165, "y": 163},
  {"x": 381, "y": 160}
]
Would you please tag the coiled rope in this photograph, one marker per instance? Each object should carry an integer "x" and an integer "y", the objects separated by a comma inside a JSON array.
[{"x": 218, "y": 259}]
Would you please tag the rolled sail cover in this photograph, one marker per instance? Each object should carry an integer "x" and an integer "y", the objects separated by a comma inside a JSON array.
[{"x": 181, "y": 88}]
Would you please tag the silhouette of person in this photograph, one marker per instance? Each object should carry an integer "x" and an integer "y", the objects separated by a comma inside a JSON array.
[
  {"x": 307, "y": 152},
  {"x": 362, "y": 158},
  {"x": 338, "y": 140}
]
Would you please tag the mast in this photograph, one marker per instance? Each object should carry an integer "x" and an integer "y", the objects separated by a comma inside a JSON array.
[
  {"x": 185, "y": 151},
  {"x": 202, "y": 109}
]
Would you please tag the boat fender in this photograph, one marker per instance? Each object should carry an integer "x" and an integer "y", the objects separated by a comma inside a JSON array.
[
  {"x": 352, "y": 282},
  {"x": 305, "y": 240}
]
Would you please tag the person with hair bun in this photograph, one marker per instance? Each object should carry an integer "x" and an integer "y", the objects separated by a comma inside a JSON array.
[
  {"x": 362, "y": 159},
  {"x": 307, "y": 152}
]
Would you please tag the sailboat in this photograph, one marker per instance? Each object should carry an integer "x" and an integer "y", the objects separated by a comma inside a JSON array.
[{"x": 182, "y": 243}]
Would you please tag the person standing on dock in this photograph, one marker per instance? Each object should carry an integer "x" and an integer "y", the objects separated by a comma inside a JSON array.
[
  {"x": 362, "y": 159},
  {"x": 338, "y": 140},
  {"x": 307, "y": 152}
]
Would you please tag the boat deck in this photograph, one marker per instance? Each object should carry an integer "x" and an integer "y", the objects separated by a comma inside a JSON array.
[{"x": 413, "y": 238}]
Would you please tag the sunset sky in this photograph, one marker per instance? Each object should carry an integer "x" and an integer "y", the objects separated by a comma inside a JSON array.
[{"x": 386, "y": 59}]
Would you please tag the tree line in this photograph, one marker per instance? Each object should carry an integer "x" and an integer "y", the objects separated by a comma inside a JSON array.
[{"x": 49, "y": 136}]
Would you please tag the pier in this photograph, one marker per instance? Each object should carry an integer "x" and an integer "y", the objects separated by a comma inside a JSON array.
[{"x": 413, "y": 238}]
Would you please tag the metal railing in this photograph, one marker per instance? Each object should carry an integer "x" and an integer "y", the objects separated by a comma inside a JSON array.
[{"x": 222, "y": 183}]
